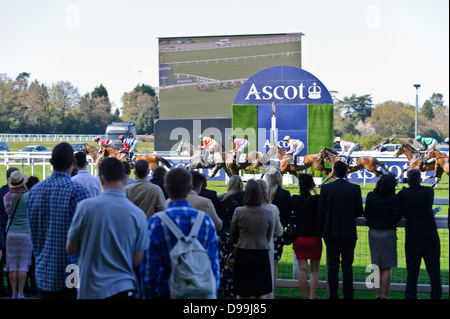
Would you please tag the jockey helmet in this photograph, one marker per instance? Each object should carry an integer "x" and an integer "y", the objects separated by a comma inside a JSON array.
[
  {"x": 121, "y": 137},
  {"x": 418, "y": 138},
  {"x": 97, "y": 139},
  {"x": 446, "y": 140},
  {"x": 232, "y": 137},
  {"x": 287, "y": 138},
  {"x": 337, "y": 139}
]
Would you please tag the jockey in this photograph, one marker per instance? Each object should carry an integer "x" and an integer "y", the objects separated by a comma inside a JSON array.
[
  {"x": 239, "y": 145},
  {"x": 207, "y": 145},
  {"x": 103, "y": 142},
  {"x": 129, "y": 145},
  {"x": 295, "y": 146},
  {"x": 427, "y": 143},
  {"x": 347, "y": 148}
]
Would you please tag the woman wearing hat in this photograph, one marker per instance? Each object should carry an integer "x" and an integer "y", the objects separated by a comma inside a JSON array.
[{"x": 18, "y": 239}]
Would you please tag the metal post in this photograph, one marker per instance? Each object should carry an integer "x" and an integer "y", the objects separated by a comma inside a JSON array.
[{"x": 417, "y": 86}]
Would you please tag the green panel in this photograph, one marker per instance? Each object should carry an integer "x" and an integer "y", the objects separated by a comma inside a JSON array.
[
  {"x": 320, "y": 127},
  {"x": 245, "y": 123}
]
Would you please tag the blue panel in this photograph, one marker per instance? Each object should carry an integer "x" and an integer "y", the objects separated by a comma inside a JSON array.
[
  {"x": 284, "y": 85},
  {"x": 291, "y": 120}
]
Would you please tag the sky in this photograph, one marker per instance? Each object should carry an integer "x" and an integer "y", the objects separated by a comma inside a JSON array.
[{"x": 376, "y": 47}]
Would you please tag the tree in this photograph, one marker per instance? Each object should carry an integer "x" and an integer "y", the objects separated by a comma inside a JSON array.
[
  {"x": 437, "y": 100},
  {"x": 141, "y": 106},
  {"x": 63, "y": 98},
  {"x": 353, "y": 109},
  {"x": 393, "y": 119},
  {"x": 36, "y": 112},
  {"x": 99, "y": 91},
  {"x": 427, "y": 110}
]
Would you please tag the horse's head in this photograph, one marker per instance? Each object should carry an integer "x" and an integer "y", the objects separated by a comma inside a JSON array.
[
  {"x": 321, "y": 154},
  {"x": 400, "y": 150},
  {"x": 85, "y": 151},
  {"x": 181, "y": 147}
]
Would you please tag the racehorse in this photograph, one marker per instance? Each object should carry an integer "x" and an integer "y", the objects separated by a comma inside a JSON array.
[
  {"x": 253, "y": 158},
  {"x": 366, "y": 162},
  {"x": 441, "y": 159},
  {"x": 197, "y": 160},
  {"x": 413, "y": 157},
  {"x": 91, "y": 150},
  {"x": 311, "y": 160},
  {"x": 152, "y": 160}
]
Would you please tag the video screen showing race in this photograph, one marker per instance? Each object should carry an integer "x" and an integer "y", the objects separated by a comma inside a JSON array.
[{"x": 199, "y": 77}]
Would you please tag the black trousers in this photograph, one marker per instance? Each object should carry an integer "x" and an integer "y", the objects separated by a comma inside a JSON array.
[
  {"x": 340, "y": 250},
  {"x": 430, "y": 251}
]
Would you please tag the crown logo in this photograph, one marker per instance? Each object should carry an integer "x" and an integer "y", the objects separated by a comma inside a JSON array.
[{"x": 314, "y": 92}]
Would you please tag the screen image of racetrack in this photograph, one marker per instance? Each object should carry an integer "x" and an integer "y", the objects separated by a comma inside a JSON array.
[{"x": 200, "y": 76}]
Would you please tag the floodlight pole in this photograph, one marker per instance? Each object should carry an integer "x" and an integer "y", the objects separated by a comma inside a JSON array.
[{"x": 417, "y": 86}]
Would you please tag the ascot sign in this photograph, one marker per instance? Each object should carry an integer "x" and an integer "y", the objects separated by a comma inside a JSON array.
[
  {"x": 286, "y": 85},
  {"x": 281, "y": 92}
]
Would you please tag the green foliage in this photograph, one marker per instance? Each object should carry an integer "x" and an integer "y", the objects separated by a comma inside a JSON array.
[
  {"x": 99, "y": 91},
  {"x": 141, "y": 106},
  {"x": 59, "y": 108}
]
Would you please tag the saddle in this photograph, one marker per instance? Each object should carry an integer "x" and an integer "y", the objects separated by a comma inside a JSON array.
[
  {"x": 351, "y": 161},
  {"x": 296, "y": 160},
  {"x": 242, "y": 158}
]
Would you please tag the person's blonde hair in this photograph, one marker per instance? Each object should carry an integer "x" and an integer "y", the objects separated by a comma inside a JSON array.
[
  {"x": 264, "y": 188},
  {"x": 275, "y": 180},
  {"x": 235, "y": 185}
]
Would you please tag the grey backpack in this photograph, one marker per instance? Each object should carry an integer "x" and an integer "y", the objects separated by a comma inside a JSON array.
[{"x": 191, "y": 275}]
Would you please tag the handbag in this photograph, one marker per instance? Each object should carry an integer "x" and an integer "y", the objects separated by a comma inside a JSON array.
[
  {"x": 231, "y": 259},
  {"x": 6, "y": 233}
]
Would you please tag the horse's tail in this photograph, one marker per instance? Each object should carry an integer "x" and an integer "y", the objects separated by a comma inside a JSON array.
[
  {"x": 164, "y": 161},
  {"x": 381, "y": 164}
]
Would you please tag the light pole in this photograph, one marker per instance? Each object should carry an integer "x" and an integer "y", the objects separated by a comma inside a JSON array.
[{"x": 417, "y": 86}]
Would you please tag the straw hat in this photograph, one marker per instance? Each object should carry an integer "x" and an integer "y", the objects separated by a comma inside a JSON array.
[{"x": 17, "y": 180}]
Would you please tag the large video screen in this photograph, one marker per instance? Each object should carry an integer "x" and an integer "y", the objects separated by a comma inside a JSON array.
[{"x": 199, "y": 77}]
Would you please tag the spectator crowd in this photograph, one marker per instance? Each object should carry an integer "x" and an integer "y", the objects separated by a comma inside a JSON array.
[{"x": 135, "y": 238}]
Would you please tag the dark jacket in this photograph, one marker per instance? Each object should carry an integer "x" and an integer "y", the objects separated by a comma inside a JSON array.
[
  {"x": 416, "y": 203},
  {"x": 225, "y": 209},
  {"x": 382, "y": 212},
  {"x": 212, "y": 195},
  {"x": 306, "y": 218},
  {"x": 282, "y": 200},
  {"x": 340, "y": 204}
]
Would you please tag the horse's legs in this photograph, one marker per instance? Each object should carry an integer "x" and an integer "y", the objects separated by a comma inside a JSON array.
[
  {"x": 216, "y": 169},
  {"x": 326, "y": 179}
]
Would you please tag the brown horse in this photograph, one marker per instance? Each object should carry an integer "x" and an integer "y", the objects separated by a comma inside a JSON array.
[
  {"x": 311, "y": 160},
  {"x": 152, "y": 160},
  {"x": 95, "y": 155},
  {"x": 198, "y": 162},
  {"x": 413, "y": 157},
  {"x": 366, "y": 162},
  {"x": 253, "y": 158},
  {"x": 441, "y": 159}
]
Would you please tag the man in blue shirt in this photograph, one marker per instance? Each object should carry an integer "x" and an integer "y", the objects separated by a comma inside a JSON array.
[
  {"x": 51, "y": 205},
  {"x": 109, "y": 234},
  {"x": 155, "y": 267}
]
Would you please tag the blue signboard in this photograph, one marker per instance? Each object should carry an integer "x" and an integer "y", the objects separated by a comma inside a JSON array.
[
  {"x": 394, "y": 165},
  {"x": 291, "y": 121},
  {"x": 284, "y": 85}
]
